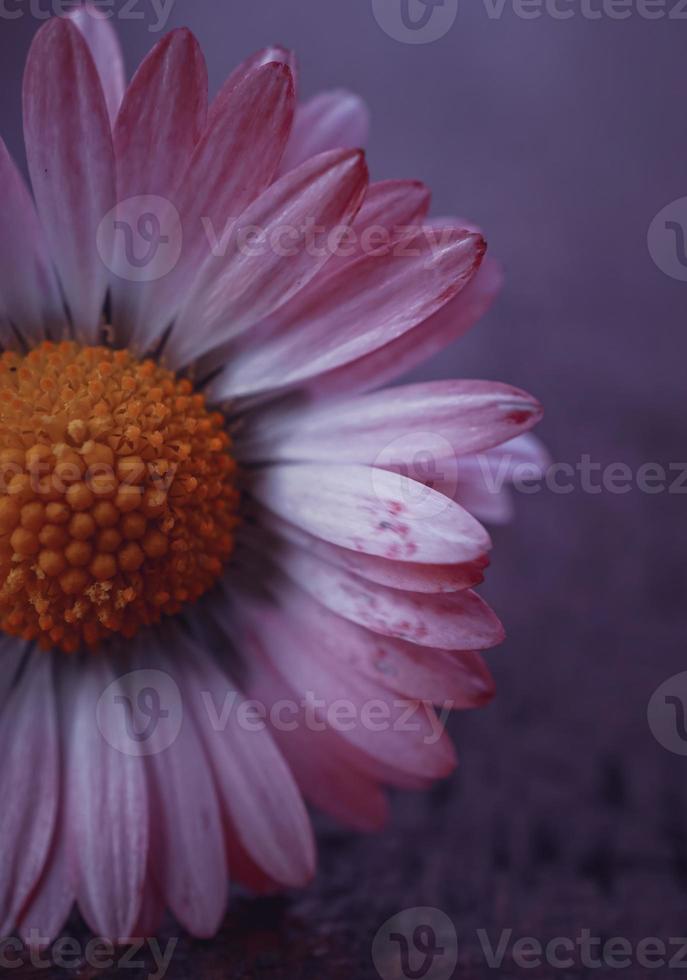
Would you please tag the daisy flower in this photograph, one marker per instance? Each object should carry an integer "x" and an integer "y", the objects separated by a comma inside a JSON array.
[{"x": 235, "y": 571}]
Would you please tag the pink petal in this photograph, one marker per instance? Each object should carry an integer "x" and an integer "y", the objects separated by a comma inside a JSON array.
[
  {"x": 392, "y": 209},
  {"x": 491, "y": 506},
  {"x": 161, "y": 120},
  {"x": 189, "y": 859},
  {"x": 373, "y": 511},
  {"x": 361, "y": 308},
  {"x": 405, "y": 575},
  {"x": 162, "y": 117},
  {"x": 318, "y": 760},
  {"x": 29, "y": 774},
  {"x": 234, "y": 162},
  {"x": 397, "y": 426},
  {"x": 329, "y": 121},
  {"x": 274, "y": 53},
  {"x": 29, "y": 292},
  {"x": 105, "y": 49},
  {"x": 390, "y": 749},
  {"x": 377, "y": 368},
  {"x": 71, "y": 162},
  {"x": 152, "y": 911},
  {"x": 252, "y": 282},
  {"x": 460, "y": 678},
  {"x": 451, "y": 621},
  {"x": 51, "y": 902},
  {"x": 107, "y": 816},
  {"x": 480, "y": 483},
  {"x": 254, "y": 783}
]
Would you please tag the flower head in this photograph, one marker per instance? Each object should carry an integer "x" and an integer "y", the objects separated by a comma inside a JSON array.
[{"x": 208, "y": 497}]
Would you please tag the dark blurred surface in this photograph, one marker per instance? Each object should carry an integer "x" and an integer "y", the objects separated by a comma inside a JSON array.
[{"x": 562, "y": 139}]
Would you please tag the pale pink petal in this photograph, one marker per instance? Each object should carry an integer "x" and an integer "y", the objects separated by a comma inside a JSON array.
[
  {"x": 234, "y": 162},
  {"x": 480, "y": 482},
  {"x": 449, "y": 621},
  {"x": 440, "y": 419},
  {"x": 451, "y": 221},
  {"x": 458, "y": 678},
  {"x": 524, "y": 450},
  {"x": 255, "y": 279},
  {"x": 375, "y": 369},
  {"x": 387, "y": 750},
  {"x": 329, "y": 121},
  {"x": 104, "y": 46},
  {"x": 51, "y": 902},
  {"x": 393, "y": 209},
  {"x": 152, "y": 911},
  {"x": 274, "y": 53},
  {"x": 162, "y": 117},
  {"x": 71, "y": 162},
  {"x": 107, "y": 810},
  {"x": 29, "y": 775},
  {"x": 406, "y": 575},
  {"x": 491, "y": 506},
  {"x": 390, "y": 211},
  {"x": 373, "y": 511},
  {"x": 318, "y": 759},
  {"x": 29, "y": 292},
  {"x": 363, "y": 307},
  {"x": 160, "y": 122},
  {"x": 256, "y": 789},
  {"x": 189, "y": 860}
]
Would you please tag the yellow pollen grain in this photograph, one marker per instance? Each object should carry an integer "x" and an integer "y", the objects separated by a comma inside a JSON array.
[{"x": 118, "y": 496}]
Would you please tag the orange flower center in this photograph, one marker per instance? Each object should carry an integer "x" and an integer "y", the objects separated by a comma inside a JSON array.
[{"x": 118, "y": 497}]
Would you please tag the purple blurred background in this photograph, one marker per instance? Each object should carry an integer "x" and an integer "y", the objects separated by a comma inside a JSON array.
[{"x": 562, "y": 139}]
